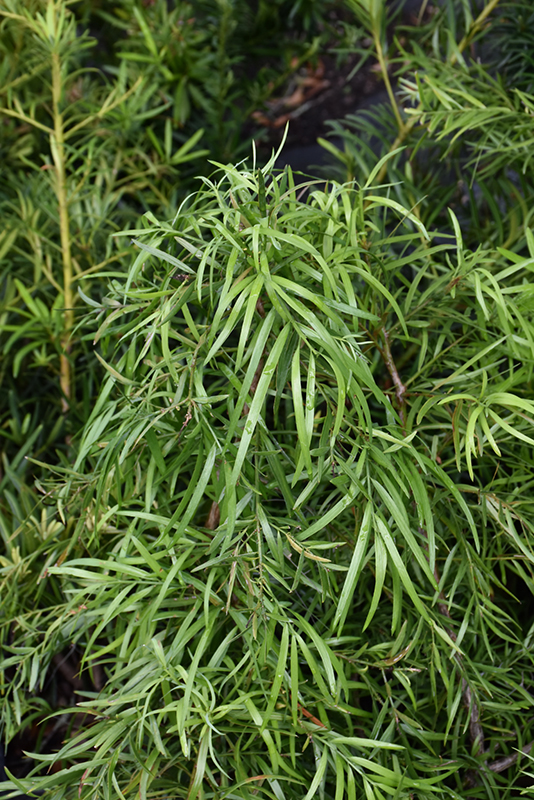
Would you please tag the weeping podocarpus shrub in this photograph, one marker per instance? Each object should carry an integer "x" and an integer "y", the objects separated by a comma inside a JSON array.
[{"x": 297, "y": 540}]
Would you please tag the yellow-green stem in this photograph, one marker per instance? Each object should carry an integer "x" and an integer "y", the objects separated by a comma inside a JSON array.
[
  {"x": 475, "y": 27},
  {"x": 57, "y": 146},
  {"x": 385, "y": 75},
  {"x": 406, "y": 127}
]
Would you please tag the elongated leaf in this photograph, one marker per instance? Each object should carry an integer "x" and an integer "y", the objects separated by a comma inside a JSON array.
[
  {"x": 356, "y": 564},
  {"x": 258, "y": 401},
  {"x": 399, "y": 565}
]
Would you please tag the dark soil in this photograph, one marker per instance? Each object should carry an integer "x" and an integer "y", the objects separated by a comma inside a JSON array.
[
  {"x": 332, "y": 92},
  {"x": 337, "y": 85}
]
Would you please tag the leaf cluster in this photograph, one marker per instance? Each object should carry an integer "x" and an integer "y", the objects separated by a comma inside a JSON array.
[
  {"x": 292, "y": 554},
  {"x": 104, "y": 112},
  {"x": 265, "y": 541}
]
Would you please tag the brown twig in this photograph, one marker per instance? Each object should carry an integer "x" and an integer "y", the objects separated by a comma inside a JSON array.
[
  {"x": 400, "y": 388},
  {"x": 507, "y": 761},
  {"x": 212, "y": 520},
  {"x": 476, "y": 733},
  {"x": 254, "y": 384},
  {"x": 188, "y": 418}
]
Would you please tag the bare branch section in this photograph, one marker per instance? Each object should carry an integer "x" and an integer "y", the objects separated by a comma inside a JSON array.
[
  {"x": 501, "y": 764},
  {"x": 476, "y": 733},
  {"x": 400, "y": 388}
]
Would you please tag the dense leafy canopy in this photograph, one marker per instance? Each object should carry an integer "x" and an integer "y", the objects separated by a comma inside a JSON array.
[{"x": 292, "y": 549}]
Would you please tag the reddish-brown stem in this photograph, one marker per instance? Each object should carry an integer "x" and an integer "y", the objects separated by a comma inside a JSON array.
[
  {"x": 500, "y": 764},
  {"x": 400, "y": 388}
]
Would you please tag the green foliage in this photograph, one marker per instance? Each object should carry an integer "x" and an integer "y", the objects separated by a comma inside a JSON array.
[
  {"x": 214, "y": 61},
  {"x": 466, "y": 123},
  {"x": 78, "y": 159},
  {"x": 292, "y": 552},
  {"x": 93, "y": 133},
  {"x": 514, "y": 44},
  {"x": 298, "y": 513}
]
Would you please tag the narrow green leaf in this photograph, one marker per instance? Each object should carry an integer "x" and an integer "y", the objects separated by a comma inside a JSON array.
[
  {"x": 398, "y": 512},
  {"x": 298, "y": 407},
  {"x": 279, "y": 675},
  {"x": 114, "y": 373},
  {"x": 258, "y": 401},
  {"x": 381, "y": 560},
  {"x": 155, "y": 449},
  {"x": 317, "y": 778},
  {"x": 376, "y": 201},
  {"x": 356, "y": 564},
  {"x": 399, "y": 564}
]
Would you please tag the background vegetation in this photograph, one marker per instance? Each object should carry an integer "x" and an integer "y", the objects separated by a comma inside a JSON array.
[{"x": 267, "y": 446}]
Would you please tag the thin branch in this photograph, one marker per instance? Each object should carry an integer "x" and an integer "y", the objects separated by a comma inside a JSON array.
[
  {"x": 400, "y": 388},
  {"x": 407, "y": 126},
  {"x": 503, "y": 763},
  {"x": 476, "y": 733},
  {"x": 385, "y": 75},
  {"x": 475, "y": 27},
  {"x": 28, "y": 120}
]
